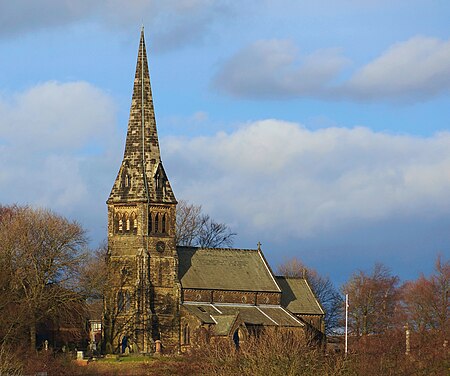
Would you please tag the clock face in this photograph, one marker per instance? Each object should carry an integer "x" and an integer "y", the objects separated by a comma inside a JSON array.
[{"x": 160, "y": 246}]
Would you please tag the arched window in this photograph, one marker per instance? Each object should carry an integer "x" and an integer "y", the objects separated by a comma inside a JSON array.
[
  {"x": 120, "y": 301},
  {"x": 127, "y": 301},
  {"x": 156, "y": 223},
  {"x": 186, "y": 335},
  {"x": 163, "y": 227},
  {"x": 120, "y": 229},
  {"x": 150, "y": 223},
  {"x": 128, "y": 224},
  {"x": 116, "y": 223},
  {"x": 125, "y": 179},
  {"x": 134, "y": 222},
  {"x": 157, "y": 182}
]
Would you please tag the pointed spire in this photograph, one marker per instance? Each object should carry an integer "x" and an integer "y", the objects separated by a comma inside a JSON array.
[{"x": 141, "y": 176}]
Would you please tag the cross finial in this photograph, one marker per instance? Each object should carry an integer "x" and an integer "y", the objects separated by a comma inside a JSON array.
[{"x": 259, "y": 246}]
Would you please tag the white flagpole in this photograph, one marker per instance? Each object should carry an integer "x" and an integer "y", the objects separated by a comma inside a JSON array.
[{"x": 346, "y": 324}]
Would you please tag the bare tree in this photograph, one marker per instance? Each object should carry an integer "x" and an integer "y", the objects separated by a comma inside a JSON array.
[
  {"x": 328, "y": 296},
  {"x": 40, "y": 256},
  {"x": 194, "y": 228},
  {"x": 426, "y": 299},
  {"x": 374, "y": 301},
  {"x": 93, "y": 278}
]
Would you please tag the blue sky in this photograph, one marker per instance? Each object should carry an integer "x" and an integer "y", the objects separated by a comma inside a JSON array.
[{"x": 319, "y": 128}]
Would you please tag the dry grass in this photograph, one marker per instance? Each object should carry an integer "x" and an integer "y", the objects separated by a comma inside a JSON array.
[{"x": 274, "y": 354}]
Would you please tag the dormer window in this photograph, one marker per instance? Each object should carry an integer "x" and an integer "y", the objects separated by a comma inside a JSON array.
[
  {"x": 125, "y": 180},
  {"x": 159, "y": 182}
]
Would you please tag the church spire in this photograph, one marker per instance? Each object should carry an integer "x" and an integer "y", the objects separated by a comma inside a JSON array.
[{"x": 141, "y": 175}]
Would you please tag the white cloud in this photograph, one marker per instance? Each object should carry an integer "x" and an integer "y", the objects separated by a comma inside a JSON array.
[
  {"x": 56, "y": 116},
  {"x": 172, "y": 23},
  {"x": 280, "y": 177},
  {"x": 274, "y": 69},
  {"x": 58, "y": 147},
  {"x": 416, "y": 69}
]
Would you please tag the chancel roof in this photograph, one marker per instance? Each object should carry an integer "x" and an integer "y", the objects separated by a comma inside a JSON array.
[
  {"x": 224, "y": 269},
  {"x": 298, "y": 297}
]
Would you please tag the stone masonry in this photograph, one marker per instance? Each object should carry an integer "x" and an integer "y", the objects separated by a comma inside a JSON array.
[{"x": 141, "y": 305}]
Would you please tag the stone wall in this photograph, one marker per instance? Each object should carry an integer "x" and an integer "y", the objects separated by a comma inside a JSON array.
[{"x": 222, "y": 296}]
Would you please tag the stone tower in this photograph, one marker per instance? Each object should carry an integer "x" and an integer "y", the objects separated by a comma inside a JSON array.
[{"x": 142, "y": 301}]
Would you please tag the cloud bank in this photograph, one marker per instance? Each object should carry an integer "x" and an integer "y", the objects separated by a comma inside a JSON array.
[
  {"x": 58, "y": 142},
  {"x": 416, "y": 69},
  {"x": 172, "y": 23},
  {"x": 278, "y": 177},
  {"x": 271, "y": 180}
]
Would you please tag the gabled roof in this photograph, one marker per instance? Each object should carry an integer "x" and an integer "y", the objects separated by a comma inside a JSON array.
[
  {"x": 225, "y": 324},
  {"x": 224, "y": 315},
  {"x": 224, "y": 269},
  {"x": 298, "y": 297}
]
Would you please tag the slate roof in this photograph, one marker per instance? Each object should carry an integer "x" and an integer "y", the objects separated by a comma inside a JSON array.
[
  {"x": 224, "y": 315},
  {"x": 298, "y": 297},
  {"x": 224, "y": 269}
]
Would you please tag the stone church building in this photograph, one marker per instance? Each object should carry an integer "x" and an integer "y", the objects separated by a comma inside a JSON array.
[{"x": 177, "y": 297}]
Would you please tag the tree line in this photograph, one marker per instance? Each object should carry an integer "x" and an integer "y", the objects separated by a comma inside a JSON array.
[{"x": 48, "y": 276}]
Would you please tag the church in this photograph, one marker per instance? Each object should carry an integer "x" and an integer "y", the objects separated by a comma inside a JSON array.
[{"x": 167, "y": 298}]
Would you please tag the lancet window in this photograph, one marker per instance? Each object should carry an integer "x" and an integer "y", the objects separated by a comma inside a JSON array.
[
  {"x": 123, "y": 301},
  {"x": 125, "y": 223},
  {"x": 158, "y": 223},
  {"x": 186, "y": 335}
]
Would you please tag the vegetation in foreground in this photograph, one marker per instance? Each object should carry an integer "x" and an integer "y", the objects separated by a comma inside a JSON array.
[{"x": 275, "y": 354}]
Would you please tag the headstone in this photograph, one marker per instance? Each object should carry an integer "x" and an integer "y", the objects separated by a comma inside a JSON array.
[
  {"x": 80, "y": 355},
  {"x": 46, "y": 345},
  {"x": 158, "y": 346}
]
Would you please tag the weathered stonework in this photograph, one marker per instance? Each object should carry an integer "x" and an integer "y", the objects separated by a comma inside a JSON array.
[
  {"x": 180, "y": 296},
  {"x": 142, "y": 303}
]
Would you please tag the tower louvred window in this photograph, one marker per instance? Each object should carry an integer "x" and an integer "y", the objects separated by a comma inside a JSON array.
[
  {"x": 134, "y": 222},
  {"x": 156, "y": 223},
  {"x": 163, "y": 228}
]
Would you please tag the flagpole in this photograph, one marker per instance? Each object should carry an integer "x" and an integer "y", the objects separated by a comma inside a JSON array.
[{"x": 346, "y": 324}]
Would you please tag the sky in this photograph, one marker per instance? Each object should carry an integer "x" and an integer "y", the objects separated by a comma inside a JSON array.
[{"x": 318, "y": 128}]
